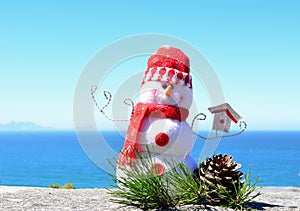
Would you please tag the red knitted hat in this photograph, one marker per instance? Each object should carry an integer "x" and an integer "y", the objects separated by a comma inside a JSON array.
[{"x": 170, "y": 65}]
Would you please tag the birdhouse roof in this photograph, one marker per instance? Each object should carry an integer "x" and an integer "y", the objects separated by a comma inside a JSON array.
[{"x": 225, "y": 107}]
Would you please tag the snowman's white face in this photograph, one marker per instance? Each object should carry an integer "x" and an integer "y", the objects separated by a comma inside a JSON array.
[{"x": 165, "y": 93}]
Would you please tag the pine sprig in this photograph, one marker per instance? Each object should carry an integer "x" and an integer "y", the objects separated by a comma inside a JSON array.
[{"x": 142, "y": 188}]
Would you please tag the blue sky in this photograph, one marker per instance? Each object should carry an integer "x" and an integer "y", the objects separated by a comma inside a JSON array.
[{"x": 254, "y": 47}]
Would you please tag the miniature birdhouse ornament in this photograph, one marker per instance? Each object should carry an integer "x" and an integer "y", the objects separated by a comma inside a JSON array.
[{"x": 224, "y": 114}]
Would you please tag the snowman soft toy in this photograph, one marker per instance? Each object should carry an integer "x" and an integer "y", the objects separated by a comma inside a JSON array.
[{"x": 158, "y": 122}]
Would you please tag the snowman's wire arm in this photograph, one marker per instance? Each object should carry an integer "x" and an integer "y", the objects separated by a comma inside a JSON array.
[
  {"x": 202, "y": 116},
  {"x": 130, "y": 102},
  {"x": 108, "y": 96}
]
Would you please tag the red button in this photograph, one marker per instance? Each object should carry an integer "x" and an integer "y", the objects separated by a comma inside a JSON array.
[
  {"x": 157, "y": 169},
  {"x": 222, "y": 121},
  {"x": 162, "y": 139}
]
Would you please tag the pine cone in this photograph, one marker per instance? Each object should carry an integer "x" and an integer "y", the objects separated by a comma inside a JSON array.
[{"x": 216, "y": 173}]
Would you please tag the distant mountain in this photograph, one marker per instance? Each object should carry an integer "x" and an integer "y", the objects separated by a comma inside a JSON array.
[{"x": 22, "y": 126}]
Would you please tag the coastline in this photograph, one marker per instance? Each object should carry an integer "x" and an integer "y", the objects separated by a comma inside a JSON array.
[{"x": 36, "y": 198}]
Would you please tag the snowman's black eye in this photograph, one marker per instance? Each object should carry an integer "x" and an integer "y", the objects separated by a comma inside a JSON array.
[{"x": 164, "y": 86}]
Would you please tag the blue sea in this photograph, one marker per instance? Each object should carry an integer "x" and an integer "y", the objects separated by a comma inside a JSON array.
[{"x": 44, "y": 158}]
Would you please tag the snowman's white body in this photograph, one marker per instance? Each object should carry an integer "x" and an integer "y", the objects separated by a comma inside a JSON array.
[
  {"x": 181, "y": 139},
  {"x": 180, "y": 136},
  {"x": 181, "y": 142}
]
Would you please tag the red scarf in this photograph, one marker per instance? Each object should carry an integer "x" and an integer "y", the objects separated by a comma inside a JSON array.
[{"x": 128, "y": 153}]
